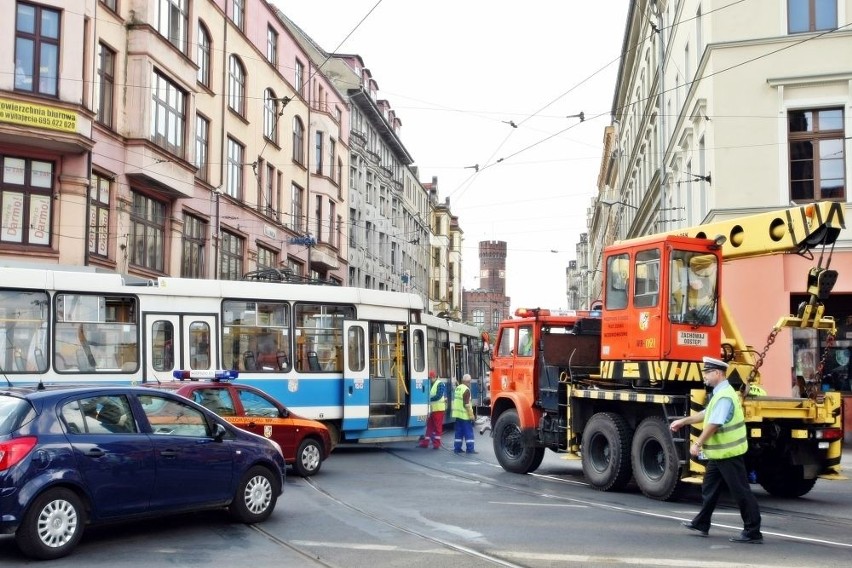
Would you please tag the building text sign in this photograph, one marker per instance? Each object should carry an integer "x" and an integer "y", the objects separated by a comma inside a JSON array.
[{"x": 39, "y": 116}]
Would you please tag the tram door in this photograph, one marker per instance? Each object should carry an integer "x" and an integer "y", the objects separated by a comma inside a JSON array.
[
  {"x": 418, "y": 373},
  {"x": 356, "y": 376},
  {"x": 174, "y": 341}
]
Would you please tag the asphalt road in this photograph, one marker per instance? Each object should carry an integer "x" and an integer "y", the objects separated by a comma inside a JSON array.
[{"x": 397, "y": 505}]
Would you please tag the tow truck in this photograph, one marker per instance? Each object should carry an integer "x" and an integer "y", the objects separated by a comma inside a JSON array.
[{"x": 603, "y": 386}]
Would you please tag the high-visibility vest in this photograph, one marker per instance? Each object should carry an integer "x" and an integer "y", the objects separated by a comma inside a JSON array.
[
  {"x": 730, "y": 439},
  {"x": 440, "y": 404},
  {"x": 459, "y": 409}
]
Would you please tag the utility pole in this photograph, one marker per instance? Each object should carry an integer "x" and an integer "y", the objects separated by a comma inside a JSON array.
[{"x": 661, "y": 107}]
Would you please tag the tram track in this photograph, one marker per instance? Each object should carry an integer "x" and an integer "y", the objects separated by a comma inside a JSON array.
[
  {"x": 797, "y": 516},
  {"x": 444, "y": 544}
]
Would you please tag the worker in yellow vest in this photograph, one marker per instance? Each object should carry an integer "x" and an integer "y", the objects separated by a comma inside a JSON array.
[
  {"x": 463, "y": 415},
  {"x": 723, "y": 442},
  {"x": 437, "y": 409}
]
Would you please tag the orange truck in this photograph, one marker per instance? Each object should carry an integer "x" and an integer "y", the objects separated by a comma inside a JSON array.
[{"x": 603, "y": 386}]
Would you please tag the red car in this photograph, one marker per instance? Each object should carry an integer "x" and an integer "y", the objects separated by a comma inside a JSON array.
[{"x": 304, "y": 442}]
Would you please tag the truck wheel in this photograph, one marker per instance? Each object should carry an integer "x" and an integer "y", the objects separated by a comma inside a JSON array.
[
  {"x": 509, "y": 447},
  {"x": 606, "y": 452},
  {"x": 785, "y": 481},
  {"x": 656, "y": 467},
  {"x": 537, "y": 459},
  {"x": 52, "y": 526}
]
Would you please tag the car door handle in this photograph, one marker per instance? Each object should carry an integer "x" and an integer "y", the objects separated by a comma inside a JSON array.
[
  {"x": 169, "y": 453},
  {"x": 95, "y": 453}
]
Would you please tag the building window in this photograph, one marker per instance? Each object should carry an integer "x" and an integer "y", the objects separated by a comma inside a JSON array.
[
  {"x": 194, "y": 239},
  {"x": 37, "y": 50},
  {"x": 332, "y": 215},
  {"x": 318, "y": 151},
  {"x": 202, "y": 146},
  {"x": 238, "y": 13},
  {"x": 111, "y": 4},
  {"x": 271, "y": 45},
  {"x": 318, "y": 218},
  {"x": 236, "y": 86},
  {"x": 478, "y": 318},
  {"x": 203, "y": 55},
  {"x": 235, "y": 169},
  {"x": 332, "y": 148},
  {"x": 298, "y": 141},
  {"x": 270, "y": 118},
  {"x": 269, "y": 201},
  {"x": 231, "y": 258},
  {"x": 167, "y": 114},
  {"x": 817, "y": 154},
  {"x": 147, "y": 233},
  {"x": 106, "y": 84},
  {"x": 171, "y": 22},
  {"x": 266, "y": 258},
  {"x": 811, "y": 15},
  {"x": 297, "y": 197},
  {"x": 25, "y": 201},
  {"x": 496, "y": 317},
  {"x": 99, "y": 206},
  {"x": 300, "y": 78}
]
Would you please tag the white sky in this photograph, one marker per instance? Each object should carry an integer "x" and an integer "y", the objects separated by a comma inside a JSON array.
[{"x": 456, "y": 72}]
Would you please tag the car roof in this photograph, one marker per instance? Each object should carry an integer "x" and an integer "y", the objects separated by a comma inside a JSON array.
[{"x": 44, "y": 391}]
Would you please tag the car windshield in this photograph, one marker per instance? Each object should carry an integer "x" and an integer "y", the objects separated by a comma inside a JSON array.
[{"x": 14, "y": 413}]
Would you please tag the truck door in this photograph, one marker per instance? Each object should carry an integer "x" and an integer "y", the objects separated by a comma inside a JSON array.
[
  {"x": 356, "y": 376},
  {"x": 418, "y": 376},
  {"x": 173, "y": 341},
  {"x": 645, "y": 325}
]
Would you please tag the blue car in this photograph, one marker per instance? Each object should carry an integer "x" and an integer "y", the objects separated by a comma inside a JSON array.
[{"x": 74, "y": 456}]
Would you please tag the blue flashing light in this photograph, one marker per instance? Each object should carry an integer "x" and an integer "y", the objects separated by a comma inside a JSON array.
[{"x": 207, "y": 375}]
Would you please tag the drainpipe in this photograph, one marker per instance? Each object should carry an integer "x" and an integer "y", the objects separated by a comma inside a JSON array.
[
  {"x": 662, "y": 115},
  {"x": 223, "y": 151}
]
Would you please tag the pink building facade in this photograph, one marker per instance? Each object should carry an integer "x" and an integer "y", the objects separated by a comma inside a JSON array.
[{"x": 178, "y": 137}]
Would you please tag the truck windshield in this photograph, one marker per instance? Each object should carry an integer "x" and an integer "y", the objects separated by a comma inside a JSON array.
[{"x": 693, "y": 295}]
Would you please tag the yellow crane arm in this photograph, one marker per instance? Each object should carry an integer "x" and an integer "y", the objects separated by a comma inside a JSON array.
[{"x": 796, "y": 229}]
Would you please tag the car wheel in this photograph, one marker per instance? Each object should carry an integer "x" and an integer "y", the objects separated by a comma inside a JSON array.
[
  {"x": 308, "y": 458},
  {"x": 52, "y": 526},
  {"x": 256, "y": 496}
]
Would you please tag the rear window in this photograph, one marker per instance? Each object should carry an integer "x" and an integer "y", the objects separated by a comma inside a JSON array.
[{"x": 14, "y": 413}]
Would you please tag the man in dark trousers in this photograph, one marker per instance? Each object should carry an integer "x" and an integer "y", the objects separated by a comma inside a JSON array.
[{"x": 724, "y": 443}]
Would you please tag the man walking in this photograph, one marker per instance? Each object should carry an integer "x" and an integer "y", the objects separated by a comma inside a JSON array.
[
  {"x": 437, "y": 409},
  {"x": 723, "y": 441},
  {"x": 463, "y": 414}
]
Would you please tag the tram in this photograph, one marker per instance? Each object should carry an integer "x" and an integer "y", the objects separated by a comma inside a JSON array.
[{"x": 354, "y": 358}]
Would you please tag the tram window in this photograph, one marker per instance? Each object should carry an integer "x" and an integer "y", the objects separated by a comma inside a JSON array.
[
  {"x": 319, "y": 329},
  {"x": 432, "y": 350},
  {"x": 418, "y": 350},
  {"x": 257, "y": 336},
  {"x": 444, "y": 354},
  {"x": 387, "y": 357},
  {"x": 96, "y": 333},
  {"x": 199, "y": 346},
  {"x": 163, "y": 345},
  {"x": 23, "y": 335},
  {"x": 356, "y": 349}
]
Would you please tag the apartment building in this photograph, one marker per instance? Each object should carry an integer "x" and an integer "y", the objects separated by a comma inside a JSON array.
[
  {"x": 728, "y": 110},
  {"x": 171, "y": 137}
]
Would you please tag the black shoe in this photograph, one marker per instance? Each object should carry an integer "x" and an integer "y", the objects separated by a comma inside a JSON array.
[
  {"x": 690, "y": 526},
  {"x": 744, "y": 538}
]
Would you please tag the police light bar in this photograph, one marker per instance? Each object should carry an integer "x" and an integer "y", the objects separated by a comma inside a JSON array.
[{"x": 209, "y": 375}]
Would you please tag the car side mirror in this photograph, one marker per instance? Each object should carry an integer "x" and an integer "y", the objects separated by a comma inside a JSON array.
[{"x": 219, "y": 432}]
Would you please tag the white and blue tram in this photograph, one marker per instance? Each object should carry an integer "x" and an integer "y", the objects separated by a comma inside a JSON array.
[{"x": 354, "y": 358}]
